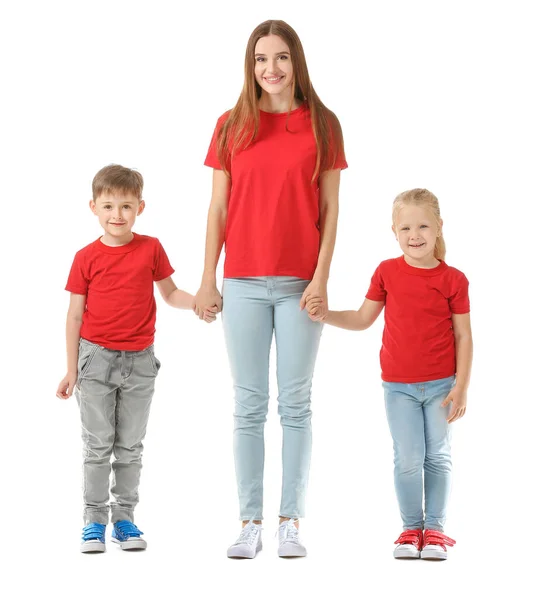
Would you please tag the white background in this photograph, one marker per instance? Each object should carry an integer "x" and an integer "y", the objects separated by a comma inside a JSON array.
[{"x": 429, "y": 94}]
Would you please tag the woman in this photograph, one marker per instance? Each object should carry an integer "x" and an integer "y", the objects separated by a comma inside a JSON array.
[{"x": 277, "y": 157}]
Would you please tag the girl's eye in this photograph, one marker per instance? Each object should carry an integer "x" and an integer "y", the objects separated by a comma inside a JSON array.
[
  {"x": 405, "y": 228},
  {"x": 423, "y": 226}
]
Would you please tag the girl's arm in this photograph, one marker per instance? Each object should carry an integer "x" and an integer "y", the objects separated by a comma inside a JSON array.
[
  {"x": 328, "y": 214},
  {"x": 461, "y": 325},
  {"x": 355, "y": 320},
  {"x": 74, "y": 323},
  {"x": 208, "y": 295}
]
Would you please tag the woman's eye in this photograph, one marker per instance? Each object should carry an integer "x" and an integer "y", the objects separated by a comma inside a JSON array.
[{"x": 283, "y": 56}]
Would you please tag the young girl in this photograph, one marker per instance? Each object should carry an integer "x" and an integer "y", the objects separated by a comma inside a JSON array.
[
  {"x": 426, "y": 362},
  {"x": 277, "y": 157}
]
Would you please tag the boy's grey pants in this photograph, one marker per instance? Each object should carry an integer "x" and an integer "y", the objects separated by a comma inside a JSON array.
[{"x": 114, "y": 392}]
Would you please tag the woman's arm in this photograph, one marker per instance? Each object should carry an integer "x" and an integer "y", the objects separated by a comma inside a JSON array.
[
  {"x": 74, "y": 323},
  {"x": 208, "y": 294},
  {"x": 328, "y": 213}
]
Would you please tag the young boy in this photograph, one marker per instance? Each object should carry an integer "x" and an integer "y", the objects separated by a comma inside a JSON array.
[{"x": 110, "y": 355}]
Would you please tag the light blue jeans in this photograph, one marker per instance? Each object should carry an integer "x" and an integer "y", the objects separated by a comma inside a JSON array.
[
  {"x": 421, "y": 444},
  {"x": 254, "y": 308}
]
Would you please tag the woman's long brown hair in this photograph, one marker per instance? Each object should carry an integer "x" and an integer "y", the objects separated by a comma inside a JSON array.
[{"x": 241, "y": 127}]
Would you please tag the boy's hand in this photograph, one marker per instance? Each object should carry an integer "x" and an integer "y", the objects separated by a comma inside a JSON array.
[
  {"x": 207, "y": 302},
  {"x": 316, "y": 290},
  {"x": 458, "y": 397},
  {"x": 66, "y": 386}
]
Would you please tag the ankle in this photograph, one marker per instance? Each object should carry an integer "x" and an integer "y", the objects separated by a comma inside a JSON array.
[
  {"x": 243, "y": 523},
  {"x": 296, "y": 521}
]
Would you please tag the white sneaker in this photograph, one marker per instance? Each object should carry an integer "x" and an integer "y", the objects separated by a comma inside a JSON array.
[
  {"x": 289, "y": 545},
  {"x": 409, "y": 543},
  {"x": 434, "y": 545},
  {"x": 248, "y": 544}
]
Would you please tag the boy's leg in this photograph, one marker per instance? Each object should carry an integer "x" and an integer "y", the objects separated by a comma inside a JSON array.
[
  {"x": 297, "y": 344},
  {"x": 138, "y": 375},
  {"x": 406, "y": 424},
  {"x": 438, "y": 464},
  {"x": 248, "y": 331},
  {"x": 96, "y": 395}
]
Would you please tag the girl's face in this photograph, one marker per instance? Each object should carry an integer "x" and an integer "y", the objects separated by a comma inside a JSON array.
[
  {"x": 416, "y": 230},
  {"x": 273, "y": 67}
]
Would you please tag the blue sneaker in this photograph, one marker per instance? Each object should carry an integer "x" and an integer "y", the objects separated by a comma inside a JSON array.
[
  {"x": 128, "y": 536},
  {"x": 94, "y": 538}
]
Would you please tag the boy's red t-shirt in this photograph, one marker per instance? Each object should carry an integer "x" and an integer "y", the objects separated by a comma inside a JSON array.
[
  {"x": 418, "y": 341},
  {"x": 272, "y": 226},
  {"x": 118, "y": 281}
]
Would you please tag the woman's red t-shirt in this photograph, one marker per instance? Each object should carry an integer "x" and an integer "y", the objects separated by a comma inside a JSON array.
[{"x": 272, "y": 226}]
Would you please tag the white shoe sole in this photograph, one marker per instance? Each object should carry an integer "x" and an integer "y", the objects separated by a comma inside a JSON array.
[
  {"x": 132, "y": 544},
  {"x": 92, "y": 546},
  {"x": 291, "y": 551},
  {"x": 433, "y": 554},
  {"x": 243, "y": 551},
  {"x": 408, "y": 552}
]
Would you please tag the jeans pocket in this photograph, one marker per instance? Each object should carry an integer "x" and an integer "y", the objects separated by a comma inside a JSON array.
[
  {"x": 86, "y": 353},
  {"x": 156, "y": 364}
]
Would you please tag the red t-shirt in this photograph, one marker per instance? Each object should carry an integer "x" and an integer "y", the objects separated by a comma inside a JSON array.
[
  {"x": 272, "y": 226},
  {"x": 120, "y": 312},
  {"x": 418, "y": 340}
]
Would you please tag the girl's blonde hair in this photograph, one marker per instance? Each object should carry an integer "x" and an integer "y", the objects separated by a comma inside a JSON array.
[
  {"x": 241, "y": 127},
  {"x": 426, "y": 199}
]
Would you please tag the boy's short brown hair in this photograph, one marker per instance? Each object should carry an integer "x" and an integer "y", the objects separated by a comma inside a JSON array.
[{"x": 116, "y": 178}]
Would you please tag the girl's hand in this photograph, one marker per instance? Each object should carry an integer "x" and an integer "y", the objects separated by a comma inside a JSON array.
[
  {"x": 66, "y": 386},
  {"x": 313, "y": 306},
  {"x": 315, "y": 290},
  {"x": 207, "y": 303},
  {"x": 458, "y": 397}
]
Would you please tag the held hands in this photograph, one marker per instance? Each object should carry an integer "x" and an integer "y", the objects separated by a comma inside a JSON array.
[
  {"x": 207, "y": 303},
  {"x": 315, "y": 301},
  {"x": 66, "y": 386},
  {"x": 458, "y": 397}
]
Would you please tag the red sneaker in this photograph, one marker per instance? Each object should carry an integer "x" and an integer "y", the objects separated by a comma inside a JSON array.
[
  {"x": 434, "y": 543},
  {"x": 409, "y": 543}
]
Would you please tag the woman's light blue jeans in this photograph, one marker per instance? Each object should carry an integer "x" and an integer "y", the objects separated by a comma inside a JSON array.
[
  {"x": 254, "y": 308},
  {"x": 421, "y": 444}
]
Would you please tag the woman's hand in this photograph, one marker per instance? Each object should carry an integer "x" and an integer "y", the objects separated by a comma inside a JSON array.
[
  {"x": 315, "y": 291},
  {"x": 207, "y": 302}
]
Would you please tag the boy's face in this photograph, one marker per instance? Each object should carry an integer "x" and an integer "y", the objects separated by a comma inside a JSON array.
[{"x": 116, "y": 213}]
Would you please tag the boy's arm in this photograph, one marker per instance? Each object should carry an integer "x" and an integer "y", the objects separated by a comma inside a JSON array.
[
  {"x": 356, "y": 320},
  {"x": 461, "y": 325},
  {"x": 74, "y": 323},
  {"x": 172, "y": 295}
]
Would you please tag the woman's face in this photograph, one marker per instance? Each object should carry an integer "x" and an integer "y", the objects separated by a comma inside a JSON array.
[{"x": 273, "y": 67}]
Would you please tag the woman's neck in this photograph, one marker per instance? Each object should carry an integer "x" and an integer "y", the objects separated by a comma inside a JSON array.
[{"x": 278, "y": 103}]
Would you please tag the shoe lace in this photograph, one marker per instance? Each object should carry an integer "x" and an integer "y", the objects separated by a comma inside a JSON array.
[
  {"x": 93, "y": 531},
  {"x": 410, "y": 536},
  {"x": 288, "y": 531},
  {"x": 437, "y": 538},
  {"x": 128, "y": 529},
  {"x": 248, "y": 533}
]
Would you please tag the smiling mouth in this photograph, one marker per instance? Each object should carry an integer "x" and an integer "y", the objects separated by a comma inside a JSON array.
[
  {"x": 118, "y": 224},
  {"x": 273, "y": 80},
  {"x": 417, "y": 245}
]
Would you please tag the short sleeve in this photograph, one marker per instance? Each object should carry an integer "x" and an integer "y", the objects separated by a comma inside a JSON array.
[
  {"x": 459, "y": 298},
  {"x": 77, "y": 283},
  {"x": 336, "y": 151},
  {"x": 162, "y": 266},
  {"x": 212, "y": 160},
  {"x": 376, "y": 290}
]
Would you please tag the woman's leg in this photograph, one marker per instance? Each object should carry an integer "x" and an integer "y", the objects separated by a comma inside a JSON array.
[
  {"x": 297, "y": 344},
  {"x": 248, "y": 328}
]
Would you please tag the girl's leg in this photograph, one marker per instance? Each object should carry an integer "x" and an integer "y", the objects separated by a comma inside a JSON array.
[
  {"x": 297, "y": 343},
  {"x": 437, "y": 465},
  {"x": 248, "y": 328},
  {"x": 406, "y": 424}
]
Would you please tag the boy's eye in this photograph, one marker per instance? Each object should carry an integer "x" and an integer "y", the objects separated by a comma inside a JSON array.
[
  {"x": 107, "y": 206},
  {"x": 127, "y": 207}
]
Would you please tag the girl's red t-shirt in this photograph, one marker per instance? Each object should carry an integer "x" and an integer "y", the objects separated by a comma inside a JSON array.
[
  {"x": 418, "y": 340},
  {"x": 272, "y": 226}
]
